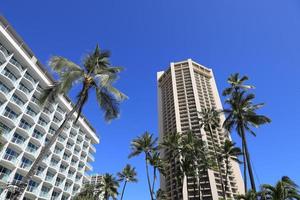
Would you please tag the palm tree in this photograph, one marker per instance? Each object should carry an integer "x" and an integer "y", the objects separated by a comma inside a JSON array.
[
  {"x": 192, "y": 154},
  {"x": 128, "y": 175},
  {"x": 96, "y": 74},
  {"x": 158, "y": 164},
  {"x": 172, "y": 147},
  {"x": 109, "y": 186},
  {"x": 236, "y": 84},
  {"x": 283, "y": 190},
  {"x": 250, "y": 195},
  {"x": 210, "y": 120},
  {"x": 229, "y": 152},
  {"x": 242, "y": 116},
  {"x": 87, "y": 193},
  {"x": 144, "y": 144}
]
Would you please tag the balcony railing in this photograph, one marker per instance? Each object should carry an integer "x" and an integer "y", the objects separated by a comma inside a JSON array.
[
  {"x": 25, "y": 165},
  {"x": 4, "y": 89},
  {"x": 16, "y": 63},
  {"x": 31, "y": 189},
  {"x": 17, "y": 140},
  {"x": 9, "y": 75},
  {"x": 24, "y": 89},
  {"x": 4, "y": 176},
  {"x": 10, "y": 157},
  {"x": 4, "y": 50}
]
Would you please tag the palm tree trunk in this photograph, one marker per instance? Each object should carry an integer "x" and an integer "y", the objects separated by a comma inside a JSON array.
[
  {"x": 226, "y": 173},
  {"x": 123, "y": 190},
  {"x": 245, "y": 167},
  {"x": 248, "y": 161},
  {"x": 46, "y": 148},
  {"x": 218, "y": 162},
  {"x": 148, "y": 178},
  {"x": 154, "y": 179}
]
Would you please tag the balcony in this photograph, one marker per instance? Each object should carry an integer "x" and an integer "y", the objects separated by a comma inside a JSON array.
[
  {"x": 11, "y": 158},
  {"x": 4, "y": 50},
  {"x": 45, "y": 194},
  {"x": 9, "y": 75},
  {"x": 32, "y": 150},
  {"x": 32, "y": 189},
  {"x": 89, "y": 166},
  {"x": 16, "y": 63},
  {"x": 30, "y": 78},
  {"x": 4, "y": 177},
  {"x": 4, "y": 88},
  {"x": 91, "y": 157},
  {"x": 49, "y": 178},
  {"x": 24, "y": 89}
]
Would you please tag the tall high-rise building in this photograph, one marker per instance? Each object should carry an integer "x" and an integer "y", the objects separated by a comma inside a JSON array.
[
  {"x": 26, "y": 127},
  {"x": 183, "y": 89}
]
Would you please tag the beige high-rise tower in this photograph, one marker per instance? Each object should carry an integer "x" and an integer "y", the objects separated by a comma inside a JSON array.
[{"x": 183, "y": 89}]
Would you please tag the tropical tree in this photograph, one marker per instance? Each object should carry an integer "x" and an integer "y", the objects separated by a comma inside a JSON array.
[
  {"x": 250, "y": 195},
  {"x": 171, "y": 145},
  {"x": 285, "y": 189},
  {"x": 191, "y": 153},
  {"x": 128, "y": 175},
  {"x": 210, "y": 120},
  {"x": 87, "y": 193},
  {"x": 158, "y": 164},
  {"x": 229, "y": 152},
  {"x": 109, "y": 186},
  {"x": 236, "y": 84},
  {"x": 145, "y": 144},
  {"x": 242, "y": 116},
  {"x": 96, "y": 74}
]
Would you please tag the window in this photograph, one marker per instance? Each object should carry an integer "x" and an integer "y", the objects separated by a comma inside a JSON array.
[
  {"x": 18, "y": 100},
  {"x": 4, "y": 88},
  {"x": 9, "y": 74},
  {"x": 10, "y": 154},
  {"x": 25, "y": 125},
  {"x": 31, "y": 112},
  {"x": 36, "y": 134},
  {"x": 18, "y": 139},
  {"x": 10, "y": 113},
  {"x": 5, "y": 129}
]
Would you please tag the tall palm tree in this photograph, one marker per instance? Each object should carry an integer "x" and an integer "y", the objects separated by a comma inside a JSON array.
[
  {"x": 96, "y": 74},
  {"x": 285, "y": 189},
  {"x": 158, "y": 164},
  {"x": 172, "y": 147},
  {"x": 191, "y": 153},
  {"x": 229, "y": 152},
  {"x": 128, "y": 175},
  {"x": 109, "y": 186},
  {"x": 242, "y": 116},
  {"x": 145, "y": 144},
  {"x": 210, "y": 120},
  {"x": 236, "y": 84}
]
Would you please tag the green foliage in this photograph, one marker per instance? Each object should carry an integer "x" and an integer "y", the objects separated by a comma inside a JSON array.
[
  {"x": 241, "y": 116},
  {"x": 109, "y": 186},
  {"x": 285, "y": 189},
  {"x": 96, "y": 74}
]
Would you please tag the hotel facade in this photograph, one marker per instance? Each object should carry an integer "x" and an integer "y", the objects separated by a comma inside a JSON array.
[
  {"x": 184, "y": 89},
  {"x": 26, "y": 127}
]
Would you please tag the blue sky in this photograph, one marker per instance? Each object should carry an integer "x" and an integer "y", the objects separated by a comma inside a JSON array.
[{"x": 257, "y": 38}]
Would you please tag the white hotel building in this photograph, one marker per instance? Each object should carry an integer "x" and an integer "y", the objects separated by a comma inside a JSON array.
[
  {"x": 183, "y": 89},
  {"x": 26, "y": 127}
]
